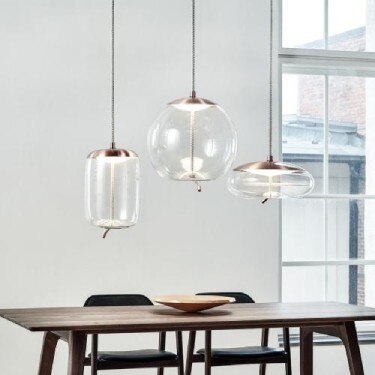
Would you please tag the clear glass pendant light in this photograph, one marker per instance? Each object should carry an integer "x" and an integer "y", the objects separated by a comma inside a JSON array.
[
  {"x": 112, "y": 178},
  {"x": 270, "y": 179},
  {"x": 193, "y": 139}
]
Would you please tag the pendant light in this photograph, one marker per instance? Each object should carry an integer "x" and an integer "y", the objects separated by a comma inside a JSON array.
[
  {"x": 270, "y": 179},
  {"x": 193, "y": 139},
  {"x": 112, "y": 177}
]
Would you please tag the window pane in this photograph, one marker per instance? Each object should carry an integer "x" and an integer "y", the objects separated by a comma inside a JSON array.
[
  {"x": 347, "y": 284},
  {"x": 351, "y": 24},
  {"x": 347, "y": 24},
  {"x": 368, "y": 293},
  {"x": 348, "y": 116},
  {"x": 345, "y": 229},
  {"x": 368, "y": 228},
  {"x": 303, "y": 284},
  {"x": 350, "y": 229},
  {"x": 351, "y": 116},
  {"x": 303, "y": 23},
  {"x": 303, "y": 123},
  {"x": 303, "y": 229}
]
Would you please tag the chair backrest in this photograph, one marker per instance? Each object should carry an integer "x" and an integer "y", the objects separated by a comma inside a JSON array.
[
  {"x": 118, "y": 300},
  {"x": 238, "y": 296}
]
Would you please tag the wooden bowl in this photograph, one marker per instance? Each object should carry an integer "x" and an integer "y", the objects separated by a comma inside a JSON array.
[{"x": 192, "y": 303}]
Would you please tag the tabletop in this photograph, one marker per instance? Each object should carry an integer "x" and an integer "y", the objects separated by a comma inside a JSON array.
[{"x": 160, "y": 318}]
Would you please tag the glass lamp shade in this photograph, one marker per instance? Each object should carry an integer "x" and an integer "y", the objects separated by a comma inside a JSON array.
[
  {"x": 193, "y": 139},
  {"x": 270, "y": 180},
  {"x": 112, "y": 188}
]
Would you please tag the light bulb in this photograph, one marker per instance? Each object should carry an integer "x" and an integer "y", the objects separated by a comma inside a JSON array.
[
  {"x": 270, "y": 172},
  {"x": 192, "y": 164},
  {"x": 116, "y": 160},
  {"x": 192, "y": 107}
]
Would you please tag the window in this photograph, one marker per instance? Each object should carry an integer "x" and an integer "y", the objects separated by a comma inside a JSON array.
[
  {"x": 327, "y": 116},
  {"x": 343, "y": 25}
]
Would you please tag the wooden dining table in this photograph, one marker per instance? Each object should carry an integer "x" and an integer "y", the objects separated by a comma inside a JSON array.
[{"x": 74, "y": 324}]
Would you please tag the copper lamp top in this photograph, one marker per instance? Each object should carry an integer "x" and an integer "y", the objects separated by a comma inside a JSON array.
[
  {"x": 269, "y": 164},
  {"x": 192, "y": 100},
  {"x": 112, "y": 152}
]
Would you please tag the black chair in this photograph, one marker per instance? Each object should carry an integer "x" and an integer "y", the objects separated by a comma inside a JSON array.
[
  {"x": 262, "y": 354},
  {"x": 146, "y": 358}
]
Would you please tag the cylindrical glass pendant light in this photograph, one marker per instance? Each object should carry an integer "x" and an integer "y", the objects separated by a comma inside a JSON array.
[
  {"x": 112, "y": 178},
  {"x": 270, "y": 179},
  {"x": 193, "y": 139}
]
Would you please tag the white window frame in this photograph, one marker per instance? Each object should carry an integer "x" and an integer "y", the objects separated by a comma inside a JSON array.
[{"x": 315, "y": 59}]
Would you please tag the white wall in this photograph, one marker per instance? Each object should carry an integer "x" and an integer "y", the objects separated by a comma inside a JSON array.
[{"x": 55, "y": 108}]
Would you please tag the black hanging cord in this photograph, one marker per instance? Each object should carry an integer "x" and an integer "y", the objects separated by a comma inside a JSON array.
[
  {"x": 113, "y": 76},
  {"x": 193, "y": 54},
  {"x": 270, "y": 158}
]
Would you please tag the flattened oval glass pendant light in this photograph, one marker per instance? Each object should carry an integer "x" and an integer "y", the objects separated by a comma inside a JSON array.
[
  {"x": 270, "y": 179},
  {"x": 112, "y": 180},
  {"x": 193, "y": 139}
]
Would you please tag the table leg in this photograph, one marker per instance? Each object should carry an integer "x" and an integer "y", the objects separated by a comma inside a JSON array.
[
  {"x": 306, "y": 351},
  {"x": 77, "y": 349},
  {"x": 344, "y": 331},
  {"x": 207, "y": 353},
  {"x": 190, "y": 352},
  {"x": 349, "y": 337},
  {"x": 47, "y": 355}
]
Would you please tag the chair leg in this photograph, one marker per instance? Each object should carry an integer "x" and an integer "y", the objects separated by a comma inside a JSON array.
[
  {"x": 207, "y": 353},
  {"x": 264, "y": 342},
  {"x": 265, "y": 335},
  {"x": 288, "y": 364},
  {"x": 162, "y": 340},
  {"x": 262, "y": 369},
  {"x": 288, "y": 368},
  {"x": 190, "y": 352},
  {"x": 180, "y": 353},
  {"x": 94, "y": 354}
]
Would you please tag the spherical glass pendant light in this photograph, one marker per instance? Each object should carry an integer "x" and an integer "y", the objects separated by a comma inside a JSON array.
[
  {"x": 193, "y": 139},
  {"x": 270, "y": 179},
  {"x": 192, "y": 142},
  {"x": 112, "y": 180}
]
